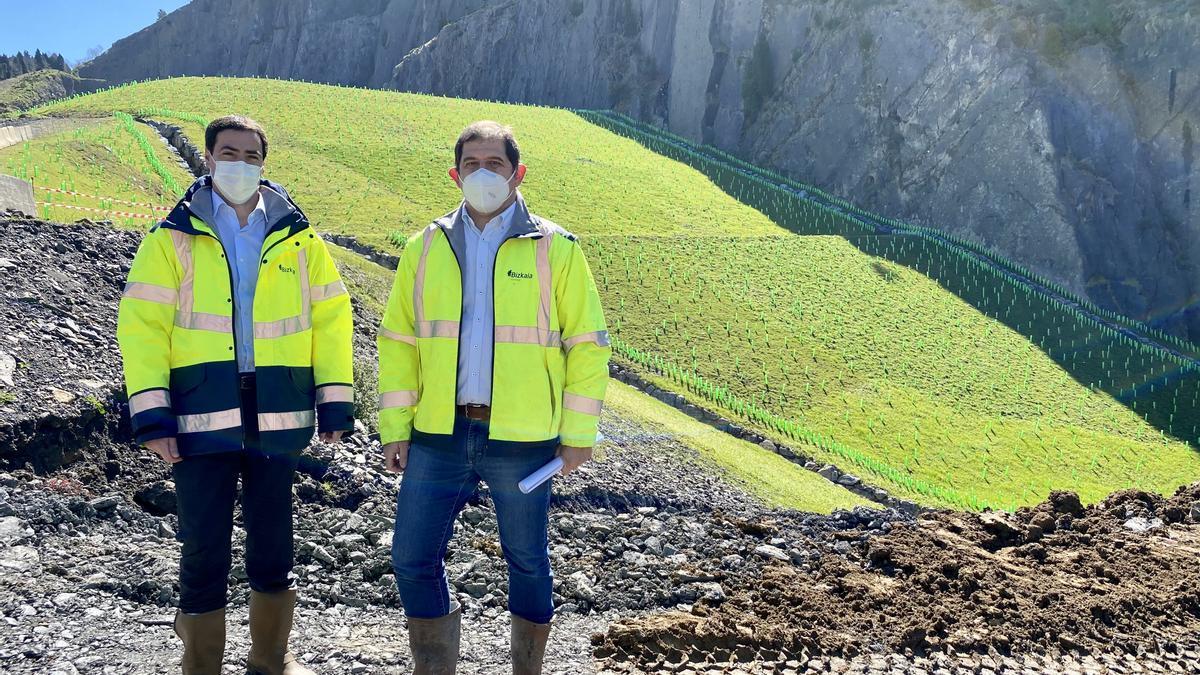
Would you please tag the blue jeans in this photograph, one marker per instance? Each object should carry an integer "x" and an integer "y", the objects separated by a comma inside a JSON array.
[{"x": 435, "y": 486}]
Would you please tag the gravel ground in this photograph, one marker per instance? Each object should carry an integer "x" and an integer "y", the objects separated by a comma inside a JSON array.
[{"x": 661, "y": 566}]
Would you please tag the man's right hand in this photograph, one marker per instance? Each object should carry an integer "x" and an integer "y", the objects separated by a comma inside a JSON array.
[
  {"x": 395, "y": 456},
  {"x": 165, "y": 448}
]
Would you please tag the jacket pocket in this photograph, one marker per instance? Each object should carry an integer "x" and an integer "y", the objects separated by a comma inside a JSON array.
[
  {"x": 187, "y": 385},
  {"x": 554, "y": 379},
  {"x": 553, "y": 401},
  {"x": 303, "y": 384}
]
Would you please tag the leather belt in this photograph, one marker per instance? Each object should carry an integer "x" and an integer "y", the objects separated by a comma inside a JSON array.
[
  {"x": 475, "y": 412},
  {"x": 245, "y": 381}
]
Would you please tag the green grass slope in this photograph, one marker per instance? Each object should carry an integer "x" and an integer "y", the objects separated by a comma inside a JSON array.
[
  {"x": 113, "y": 168},
  {"x": 760, "y": 472},
  {"x": 923, "y": 370},
  {"x": 371, "y": 162},
  {"x": 881, "y": 358}
]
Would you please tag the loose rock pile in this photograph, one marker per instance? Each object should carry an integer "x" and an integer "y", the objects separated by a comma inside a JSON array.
[
  {"x": 59, "y": 366},
  {"x": 88, "y": 551}
]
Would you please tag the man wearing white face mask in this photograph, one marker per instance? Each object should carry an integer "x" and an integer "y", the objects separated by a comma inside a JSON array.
[
  {"x": 235, "y": 330},
  {"x": 493, "y": 359}
]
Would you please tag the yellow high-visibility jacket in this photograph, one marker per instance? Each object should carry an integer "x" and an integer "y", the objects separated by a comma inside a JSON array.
[
  {"x": 550, "y": 364},
  {"x": 176, "y": 333}
]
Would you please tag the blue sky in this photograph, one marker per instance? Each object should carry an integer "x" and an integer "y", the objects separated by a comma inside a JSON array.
[{"x": 72, "y": 27}]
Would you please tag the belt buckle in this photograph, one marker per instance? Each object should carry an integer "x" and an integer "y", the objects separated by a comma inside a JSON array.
[{"x": 479, "y": 411}]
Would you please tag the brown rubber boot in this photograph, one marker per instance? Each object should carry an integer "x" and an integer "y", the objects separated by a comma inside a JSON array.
[
  {"x": 270, "y": 626},
  {"x": 434, "y": 643},
  {"x": 528, "y": 644},
  {"x": 203, "y": 638}
]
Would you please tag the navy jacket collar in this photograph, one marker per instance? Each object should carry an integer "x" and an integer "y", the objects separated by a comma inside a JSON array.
[{"x": 282, "y": 211}]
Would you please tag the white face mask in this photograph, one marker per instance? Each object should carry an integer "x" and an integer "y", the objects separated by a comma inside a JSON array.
[
  {"x": 237, "y": 181},
  {"x": 486, "y": 191}
]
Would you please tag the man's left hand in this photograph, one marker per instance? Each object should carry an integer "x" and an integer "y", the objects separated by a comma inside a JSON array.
[
  {"x": 572, "y": 457},
  {"x": 330, "y": 436}
]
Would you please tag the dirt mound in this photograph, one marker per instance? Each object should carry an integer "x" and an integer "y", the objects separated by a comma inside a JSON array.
[{"x": 1119, "y": 577}]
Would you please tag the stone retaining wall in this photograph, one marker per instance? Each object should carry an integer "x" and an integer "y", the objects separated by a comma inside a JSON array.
[
  {"x": 192, "y": 158},
  {"x": 369, "y": 252}
]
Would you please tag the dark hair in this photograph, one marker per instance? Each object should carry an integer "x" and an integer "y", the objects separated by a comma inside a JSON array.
[
  {"x": 233, "y": 123},
  {"x": 486, "y": 130}
]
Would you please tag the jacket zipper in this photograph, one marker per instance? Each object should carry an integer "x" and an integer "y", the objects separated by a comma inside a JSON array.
[
  {"x": 492, "y": 363},
  {"x": 458, "y": 354},
  {"x": 458, "y": 345},
  {"x": 237, "y": 387},
  {"x": 233, "y": 311}
]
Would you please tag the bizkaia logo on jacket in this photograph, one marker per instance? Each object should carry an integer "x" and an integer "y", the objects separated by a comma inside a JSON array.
[
  {"x": 519, "y": 275},
  {"x": 289, "y": 270}
]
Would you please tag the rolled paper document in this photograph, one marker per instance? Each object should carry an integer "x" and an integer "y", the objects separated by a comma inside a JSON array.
[{"x": 533, "y": 480}]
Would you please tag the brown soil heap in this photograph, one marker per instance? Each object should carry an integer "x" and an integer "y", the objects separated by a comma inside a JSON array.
[{"x": 1121, "y": 576}]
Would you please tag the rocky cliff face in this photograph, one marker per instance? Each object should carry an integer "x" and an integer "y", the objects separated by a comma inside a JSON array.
[
  {"x": 355, "y": 42},
  {"x": 1060, "y": 132}
]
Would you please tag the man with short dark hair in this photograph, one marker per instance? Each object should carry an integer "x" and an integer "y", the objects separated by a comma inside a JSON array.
[
  {"x": 233, "y": 326},
  {"x": 493, "y": 359}
]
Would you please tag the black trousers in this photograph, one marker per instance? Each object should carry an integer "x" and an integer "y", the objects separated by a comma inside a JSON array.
[{"x": 206, "y": 489}]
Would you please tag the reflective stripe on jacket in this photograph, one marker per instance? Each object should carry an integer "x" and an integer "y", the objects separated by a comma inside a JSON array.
[
  {"x": 551, "y": 347},
  {"x": 176, "y": 333}
]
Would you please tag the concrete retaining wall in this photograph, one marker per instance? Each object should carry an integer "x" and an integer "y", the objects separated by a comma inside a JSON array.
[
  {"x": 14, "y": 135},
  {"x": 27, "y": 130},
  {"x": 16, "y": 195}
]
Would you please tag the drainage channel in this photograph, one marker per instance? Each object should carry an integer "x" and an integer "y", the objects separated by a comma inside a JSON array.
[{"x": 190, "y": 156}]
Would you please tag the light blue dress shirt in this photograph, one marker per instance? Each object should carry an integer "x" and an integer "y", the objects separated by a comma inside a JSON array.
[
  {"x": 243, "y": 246},
  {"x": 479, "y": 318}
]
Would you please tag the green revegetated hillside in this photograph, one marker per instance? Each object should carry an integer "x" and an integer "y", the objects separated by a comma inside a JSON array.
[
  {"x": 1151, "y": 374},
  {"x": 374, "y": 162},
  {"x": 876, "y": 356},
  {"x": 921, "y": 363},
  {"x": 112, "y": 168},
  {"x": 776, "y": 195},
  {"x": 761, "y": 472}
]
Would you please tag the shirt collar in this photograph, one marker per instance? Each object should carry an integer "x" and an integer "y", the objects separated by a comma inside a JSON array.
[
  {"x": 505, "y": 219},
  {"x": 260, "y": 208}
]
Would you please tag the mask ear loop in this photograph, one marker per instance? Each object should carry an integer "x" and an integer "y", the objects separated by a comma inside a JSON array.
[{"x": 509, "y": 185}]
